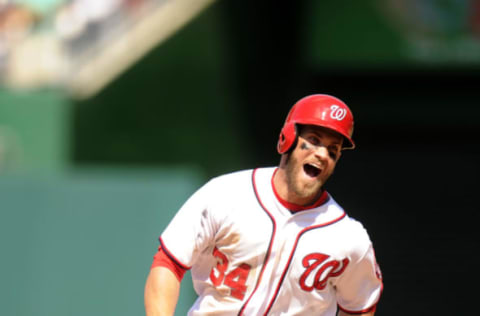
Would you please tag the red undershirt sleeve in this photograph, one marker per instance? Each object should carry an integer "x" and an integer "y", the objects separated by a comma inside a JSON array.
[{"x": 161, "y": 259}]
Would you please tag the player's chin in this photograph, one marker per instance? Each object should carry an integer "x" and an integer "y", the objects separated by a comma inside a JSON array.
[{"x": 311, "y": 186}]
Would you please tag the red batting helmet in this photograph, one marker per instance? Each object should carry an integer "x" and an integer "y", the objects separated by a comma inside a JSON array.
[{"x": 320, "y": 110}]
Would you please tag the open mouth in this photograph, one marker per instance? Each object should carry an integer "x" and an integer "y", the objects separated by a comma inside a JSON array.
[{"x": 311, "y": 170}]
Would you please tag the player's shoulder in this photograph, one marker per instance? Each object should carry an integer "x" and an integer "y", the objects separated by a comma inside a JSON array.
[
  {"x": 234, "y": 175},
  {"x": 355, "y": 228},
  {"x": 231, "y": 178},
  {"x": 235, "y": 181},
  {"x": 236, "y": 185},
  {"x": 240, "y": 176},
  {"x": 358, "y": 238},
  {"x": 349, "y": 221}
]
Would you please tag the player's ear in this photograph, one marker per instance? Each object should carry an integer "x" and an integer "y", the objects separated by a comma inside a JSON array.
[{"x": 284, "y": 159}]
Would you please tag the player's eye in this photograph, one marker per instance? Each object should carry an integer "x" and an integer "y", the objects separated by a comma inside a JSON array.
[
  {"x": 333, "y": 153},
  {"x": 312, "y": 139}
]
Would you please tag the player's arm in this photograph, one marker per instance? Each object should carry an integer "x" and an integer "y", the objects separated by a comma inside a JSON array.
[
  {"x": 342, "y": 313},
  {"x": 187, "y": 232},
  {"x": 161, "y": 292}
]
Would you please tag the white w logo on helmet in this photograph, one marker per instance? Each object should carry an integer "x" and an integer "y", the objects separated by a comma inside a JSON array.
[{"x": 337, "y": 113}]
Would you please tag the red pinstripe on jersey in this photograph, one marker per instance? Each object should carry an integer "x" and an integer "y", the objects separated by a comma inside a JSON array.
[
  {"x": 267, "y": 256},
  {"x": 293, "y": 252},
  {"x": 322, "y": 200}
]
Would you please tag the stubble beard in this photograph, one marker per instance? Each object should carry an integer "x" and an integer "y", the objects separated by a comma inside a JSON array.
[{"x": 300, "y": 189}]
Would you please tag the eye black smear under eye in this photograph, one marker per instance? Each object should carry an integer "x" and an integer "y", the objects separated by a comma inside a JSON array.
[{"x": 304, "y": 146}]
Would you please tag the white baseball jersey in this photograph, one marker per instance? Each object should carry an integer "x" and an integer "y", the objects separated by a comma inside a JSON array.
[{"x": 250, "y": 255}]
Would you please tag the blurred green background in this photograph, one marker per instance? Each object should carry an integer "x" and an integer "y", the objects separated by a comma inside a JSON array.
[{"x": 88, "y": 183}]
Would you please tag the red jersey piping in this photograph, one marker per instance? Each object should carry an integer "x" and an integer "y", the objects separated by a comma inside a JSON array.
[
  {"x": 174, "y": 259},
  {"x": 267, "y": 256},
  {"x": 293, "y": 252}
]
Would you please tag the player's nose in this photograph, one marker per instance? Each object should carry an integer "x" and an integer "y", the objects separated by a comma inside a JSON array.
[{"x": 321, "y": 153}]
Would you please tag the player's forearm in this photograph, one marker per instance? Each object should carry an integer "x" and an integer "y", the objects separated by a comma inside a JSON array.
[{"x": 161, "y": 292}]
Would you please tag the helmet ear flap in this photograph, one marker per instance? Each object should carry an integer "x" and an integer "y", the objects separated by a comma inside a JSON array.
[{"x": 287, "y": 138}]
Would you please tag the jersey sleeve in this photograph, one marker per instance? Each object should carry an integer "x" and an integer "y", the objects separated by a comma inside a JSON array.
[
  {"x": 161, "y": 259},
  {"x": 360, "y": 287},
  {"x": 191, "y": 230}
]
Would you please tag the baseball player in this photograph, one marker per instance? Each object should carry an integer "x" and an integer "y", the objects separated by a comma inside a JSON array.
[{"x": 272, "y": 241}]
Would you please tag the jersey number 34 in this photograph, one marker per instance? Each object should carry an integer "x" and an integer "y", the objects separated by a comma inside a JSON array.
[{"x": 235, "y": 279}]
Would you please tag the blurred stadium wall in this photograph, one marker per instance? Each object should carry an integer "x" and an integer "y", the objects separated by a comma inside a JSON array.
[
  {"x": 113, "y": 112},
  {"x": 82, "y": 243},
  {"x": 86, "y": 185}
]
